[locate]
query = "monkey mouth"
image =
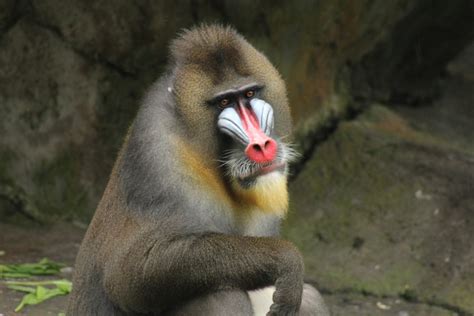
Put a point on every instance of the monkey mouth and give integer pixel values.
(263, 170)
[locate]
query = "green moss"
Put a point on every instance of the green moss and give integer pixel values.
(6, 156)
(355, 214)
(14, 204)
(394, 281)
(461, 295)
(58, 191)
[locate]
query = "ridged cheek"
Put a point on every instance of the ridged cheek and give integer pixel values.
(264, 113)
(229, 123)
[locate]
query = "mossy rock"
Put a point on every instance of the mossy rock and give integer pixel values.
(385, 209)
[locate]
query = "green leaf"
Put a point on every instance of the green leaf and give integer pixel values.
(62, 282)
(64, 285)
(40, 292)
(14, 275)
(24, 270)
(21, 288)
(29, 299)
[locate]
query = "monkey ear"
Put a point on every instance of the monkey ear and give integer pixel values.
(264, 113)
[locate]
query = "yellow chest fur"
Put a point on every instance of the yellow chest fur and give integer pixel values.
(269, 194)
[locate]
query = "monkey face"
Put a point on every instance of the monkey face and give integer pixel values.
(248, 121)
(232, 104)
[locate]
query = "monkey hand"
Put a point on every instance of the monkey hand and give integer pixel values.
(289, 286)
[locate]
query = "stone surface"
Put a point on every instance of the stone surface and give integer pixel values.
(57, 123)
(72, 74)
(385, 204)
(363, 305)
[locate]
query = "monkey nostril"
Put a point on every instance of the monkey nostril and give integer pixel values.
(257, 147)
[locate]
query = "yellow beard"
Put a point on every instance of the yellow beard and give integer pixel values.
(269, 194)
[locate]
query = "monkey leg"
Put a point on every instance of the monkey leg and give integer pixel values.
(217, 304)
(197, 264)
(312, 303)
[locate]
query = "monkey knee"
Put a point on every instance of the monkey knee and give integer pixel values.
(312, 303)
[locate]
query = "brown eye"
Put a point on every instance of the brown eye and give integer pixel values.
(249, 93)
(224, 103)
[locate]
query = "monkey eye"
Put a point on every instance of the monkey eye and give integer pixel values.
(249, 93)
(223, 103)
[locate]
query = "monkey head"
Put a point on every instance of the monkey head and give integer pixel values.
(233, 104)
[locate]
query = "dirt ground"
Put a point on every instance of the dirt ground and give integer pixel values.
(30, 244)
(61, 243)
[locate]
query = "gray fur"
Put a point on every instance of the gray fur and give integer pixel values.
(312, 303)
(220, 303)
(162, 242)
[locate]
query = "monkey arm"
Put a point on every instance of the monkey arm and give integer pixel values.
(191, 265)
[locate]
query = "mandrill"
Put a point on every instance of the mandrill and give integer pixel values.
(189, 221)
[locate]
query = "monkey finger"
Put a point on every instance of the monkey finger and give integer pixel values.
(282, 310)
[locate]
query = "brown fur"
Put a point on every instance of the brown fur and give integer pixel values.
(168, 236)
(205, 173)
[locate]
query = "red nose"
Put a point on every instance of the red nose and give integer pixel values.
(261, 148)
(262, 151)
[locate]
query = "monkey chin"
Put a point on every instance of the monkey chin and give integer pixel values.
(267, 191)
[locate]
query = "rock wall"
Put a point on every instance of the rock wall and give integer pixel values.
(384, 207)
(381, 93)
(72, 74)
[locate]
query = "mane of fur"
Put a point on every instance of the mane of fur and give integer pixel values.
(206, 45)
